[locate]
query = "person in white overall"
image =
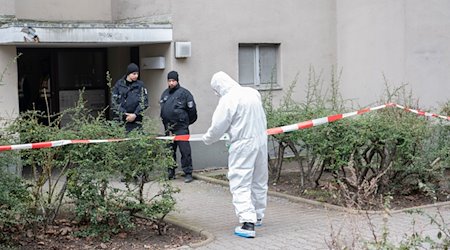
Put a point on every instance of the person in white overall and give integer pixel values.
(240, 113)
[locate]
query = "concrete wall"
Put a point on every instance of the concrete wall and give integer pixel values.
(9, 96)
(8, 7)
(370, 43)
(305, 30)
(155, 79)
(156, 82)
(427, 48)
(153, 11)
(404, 41)
(64, 10)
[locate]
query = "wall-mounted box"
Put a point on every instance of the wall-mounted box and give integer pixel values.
(182, 49)
(157, 62)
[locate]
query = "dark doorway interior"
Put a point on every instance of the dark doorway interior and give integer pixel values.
(50, 79)
(34, 71)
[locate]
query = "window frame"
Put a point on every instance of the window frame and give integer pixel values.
(257, 65)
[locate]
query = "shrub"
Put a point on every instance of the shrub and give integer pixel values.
(388, 151)
(15, 214)
(84, 172)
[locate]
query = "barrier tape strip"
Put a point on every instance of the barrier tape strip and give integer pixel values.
(51, 144)
(323, 120)
(422, 113)
(198, 137)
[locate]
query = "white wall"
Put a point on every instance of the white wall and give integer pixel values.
(406, 41)
(9, 96)
(153, 11)
(156, 82)
(370, 43)
(63, 10)
(305, 29)
(8, 7)
(155, 79)
(427, 48)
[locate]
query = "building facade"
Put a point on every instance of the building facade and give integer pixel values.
(66, 45)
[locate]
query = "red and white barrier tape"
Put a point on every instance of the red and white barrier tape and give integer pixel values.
(320, 121)
(310, 123)
(51, 144)
(422, 113)
(191, 137)
(198, 137)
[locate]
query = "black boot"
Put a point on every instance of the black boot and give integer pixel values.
(248, 226)
(188, 178)
(171, 172)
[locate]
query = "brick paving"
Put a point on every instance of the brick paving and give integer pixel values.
(289, 225)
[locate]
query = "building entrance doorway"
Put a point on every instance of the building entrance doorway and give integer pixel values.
(50, 79)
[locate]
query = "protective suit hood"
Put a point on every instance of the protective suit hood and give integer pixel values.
(221, 82)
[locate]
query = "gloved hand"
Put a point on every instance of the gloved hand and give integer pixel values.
(225, 137)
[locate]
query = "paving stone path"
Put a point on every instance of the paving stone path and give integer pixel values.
(290, 225)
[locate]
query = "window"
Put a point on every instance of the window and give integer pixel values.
(258, 64)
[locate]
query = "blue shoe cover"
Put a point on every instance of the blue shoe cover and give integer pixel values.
(244, 233)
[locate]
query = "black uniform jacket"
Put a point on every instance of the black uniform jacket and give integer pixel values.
(178, 109)
(129, 97)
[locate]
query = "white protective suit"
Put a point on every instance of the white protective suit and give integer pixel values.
(240, 113)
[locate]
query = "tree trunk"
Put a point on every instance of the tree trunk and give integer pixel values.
(299, 161)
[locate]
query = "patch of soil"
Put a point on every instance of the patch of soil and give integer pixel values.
(143, 236)
(328, 192)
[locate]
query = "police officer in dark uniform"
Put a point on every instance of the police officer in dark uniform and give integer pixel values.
(178, 111)
(130, 98)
